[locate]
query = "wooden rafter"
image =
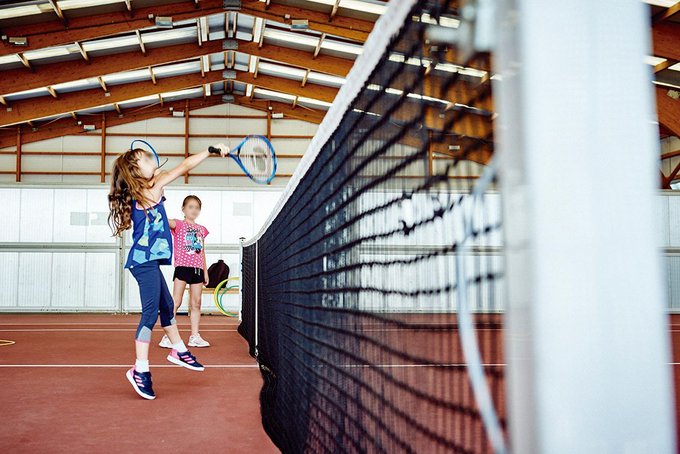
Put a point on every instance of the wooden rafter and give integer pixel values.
(56, 73)
(467, 125)
(82, 52)
(48, 34)
(31, 109)
(312, 116)
(18, 143)
(665, 39)
(334, 10)
(664, 65)
(317, 49)
(24, 61)
(666, 13)
(668, 110)
(102, 84)
(291, 87)
(324, 63)
(262, 28)
(58, 12)
(141, 42)
(344, 27)
(65, 126)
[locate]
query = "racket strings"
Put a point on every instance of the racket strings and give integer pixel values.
(257, 158)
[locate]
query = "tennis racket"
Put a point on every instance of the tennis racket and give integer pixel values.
(150, 148)
(255, 156)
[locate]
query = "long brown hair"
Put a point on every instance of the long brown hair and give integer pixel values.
(127, 185)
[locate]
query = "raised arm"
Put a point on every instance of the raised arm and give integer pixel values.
(172, 223)
(165, 178)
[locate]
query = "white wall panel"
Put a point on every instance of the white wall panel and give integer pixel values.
(55, 144)
(42, 179)
(293, 127)
(100, 281)
(41, 163)
(674, 221)
(35, 280)
(8, 162)
(81, 164)
(290, 146)
(82, 143)
(37, 212)
(9, 279)
(68, 280)
(11, 204)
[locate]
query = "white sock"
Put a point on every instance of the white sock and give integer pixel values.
(142, 365)
(179, 346)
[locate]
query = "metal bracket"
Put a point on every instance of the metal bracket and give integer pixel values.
(229, 44)
(231, 5)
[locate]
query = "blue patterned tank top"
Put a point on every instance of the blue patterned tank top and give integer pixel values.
(151, 237)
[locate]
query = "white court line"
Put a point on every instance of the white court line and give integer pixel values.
(235, 366)
(189, 329)
(243, 366)
(207, 366)
(398, 366)
(43, 330)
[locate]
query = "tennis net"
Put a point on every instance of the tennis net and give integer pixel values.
(385, 244)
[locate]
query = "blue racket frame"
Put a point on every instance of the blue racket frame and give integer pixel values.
(132, 147)
(240, 164)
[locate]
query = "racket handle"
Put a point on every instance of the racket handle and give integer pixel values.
(213, 150)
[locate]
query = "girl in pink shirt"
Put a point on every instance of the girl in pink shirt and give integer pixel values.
(190, 265)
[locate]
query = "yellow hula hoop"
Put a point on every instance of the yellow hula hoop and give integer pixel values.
(218, 305)
(4, 342)
(226, 312)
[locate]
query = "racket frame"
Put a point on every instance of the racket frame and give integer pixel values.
(238, 161)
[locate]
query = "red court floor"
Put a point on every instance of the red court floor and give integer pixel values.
(63, 389)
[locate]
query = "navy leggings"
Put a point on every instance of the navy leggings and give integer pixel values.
(155, 297)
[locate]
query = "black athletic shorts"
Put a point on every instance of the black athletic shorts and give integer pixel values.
(189, 275)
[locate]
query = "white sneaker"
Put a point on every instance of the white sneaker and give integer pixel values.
(197, 341)
(165, 342)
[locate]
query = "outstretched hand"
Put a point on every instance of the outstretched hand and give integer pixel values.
(223, 149)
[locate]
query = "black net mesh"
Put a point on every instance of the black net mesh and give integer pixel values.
(356, 287)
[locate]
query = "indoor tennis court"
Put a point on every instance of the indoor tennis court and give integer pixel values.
(361, 226)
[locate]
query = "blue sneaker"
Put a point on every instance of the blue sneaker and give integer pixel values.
(185, 359)
(141, 381)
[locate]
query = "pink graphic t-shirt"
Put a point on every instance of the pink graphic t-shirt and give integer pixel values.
(188, 242)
